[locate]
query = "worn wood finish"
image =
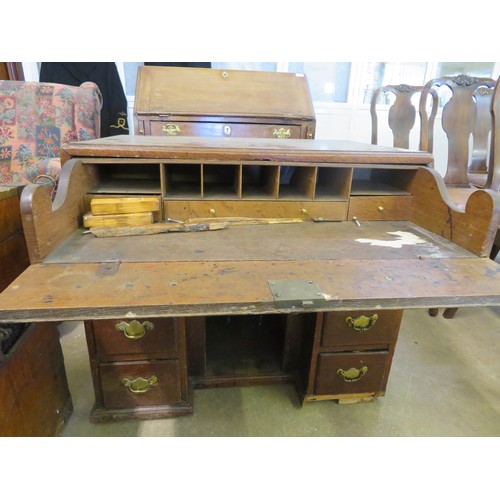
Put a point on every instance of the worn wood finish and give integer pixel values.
(474, 229)
(245, 149)
(338, 331)
(207, 276)
(110, 338)
(158, 358)
(13, 258)
(222, 103)
(13, 252)
(232, 287)
(10, 221)
(34, 394)
(47, 223)
(287, 242)
(329, 382)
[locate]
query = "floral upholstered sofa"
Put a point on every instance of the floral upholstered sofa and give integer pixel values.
(36, 119)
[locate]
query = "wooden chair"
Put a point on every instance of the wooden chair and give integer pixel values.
(465, 116)
(487, 118)
(402, 113)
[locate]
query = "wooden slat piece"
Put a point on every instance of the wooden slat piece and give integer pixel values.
(129, 205)
(117, 220)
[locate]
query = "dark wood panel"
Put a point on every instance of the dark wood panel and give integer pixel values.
(166, 390)
(34, 394)
(13, 258)
(370, 367)
(159, 336)
(10, 217)
(343, 328)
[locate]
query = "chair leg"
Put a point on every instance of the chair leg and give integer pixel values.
(433, 311)
(449, 312)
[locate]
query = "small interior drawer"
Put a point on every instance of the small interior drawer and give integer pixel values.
(127, 385)
(240, 208)
(380, 207)
(145, 335)
(351, 373)
(360, 327)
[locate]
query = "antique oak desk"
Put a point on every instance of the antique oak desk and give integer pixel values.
(317, 303)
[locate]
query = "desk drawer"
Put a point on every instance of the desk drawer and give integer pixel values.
(128, 385)
(125, 336)
(275, 209)
(380, 207)
(360, 327)
(228, 129)
(351, 373)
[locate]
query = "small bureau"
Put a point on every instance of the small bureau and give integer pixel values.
(206, 102)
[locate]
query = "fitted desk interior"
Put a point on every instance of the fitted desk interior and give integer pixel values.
(316, 302)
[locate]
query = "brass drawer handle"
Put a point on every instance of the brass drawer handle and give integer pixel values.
(352, 375)
(134, 330)
(171, 129)
(362, 323)
(140, 385)
(281, 133)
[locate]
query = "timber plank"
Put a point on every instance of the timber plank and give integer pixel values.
(78, 291)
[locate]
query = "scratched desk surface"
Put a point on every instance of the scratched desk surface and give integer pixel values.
(378, 265)
(306, 241)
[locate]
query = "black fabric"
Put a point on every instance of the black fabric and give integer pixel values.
(181, 64)
(105, 76)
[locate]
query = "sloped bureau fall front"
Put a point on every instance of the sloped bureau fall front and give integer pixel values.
(319, 248)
